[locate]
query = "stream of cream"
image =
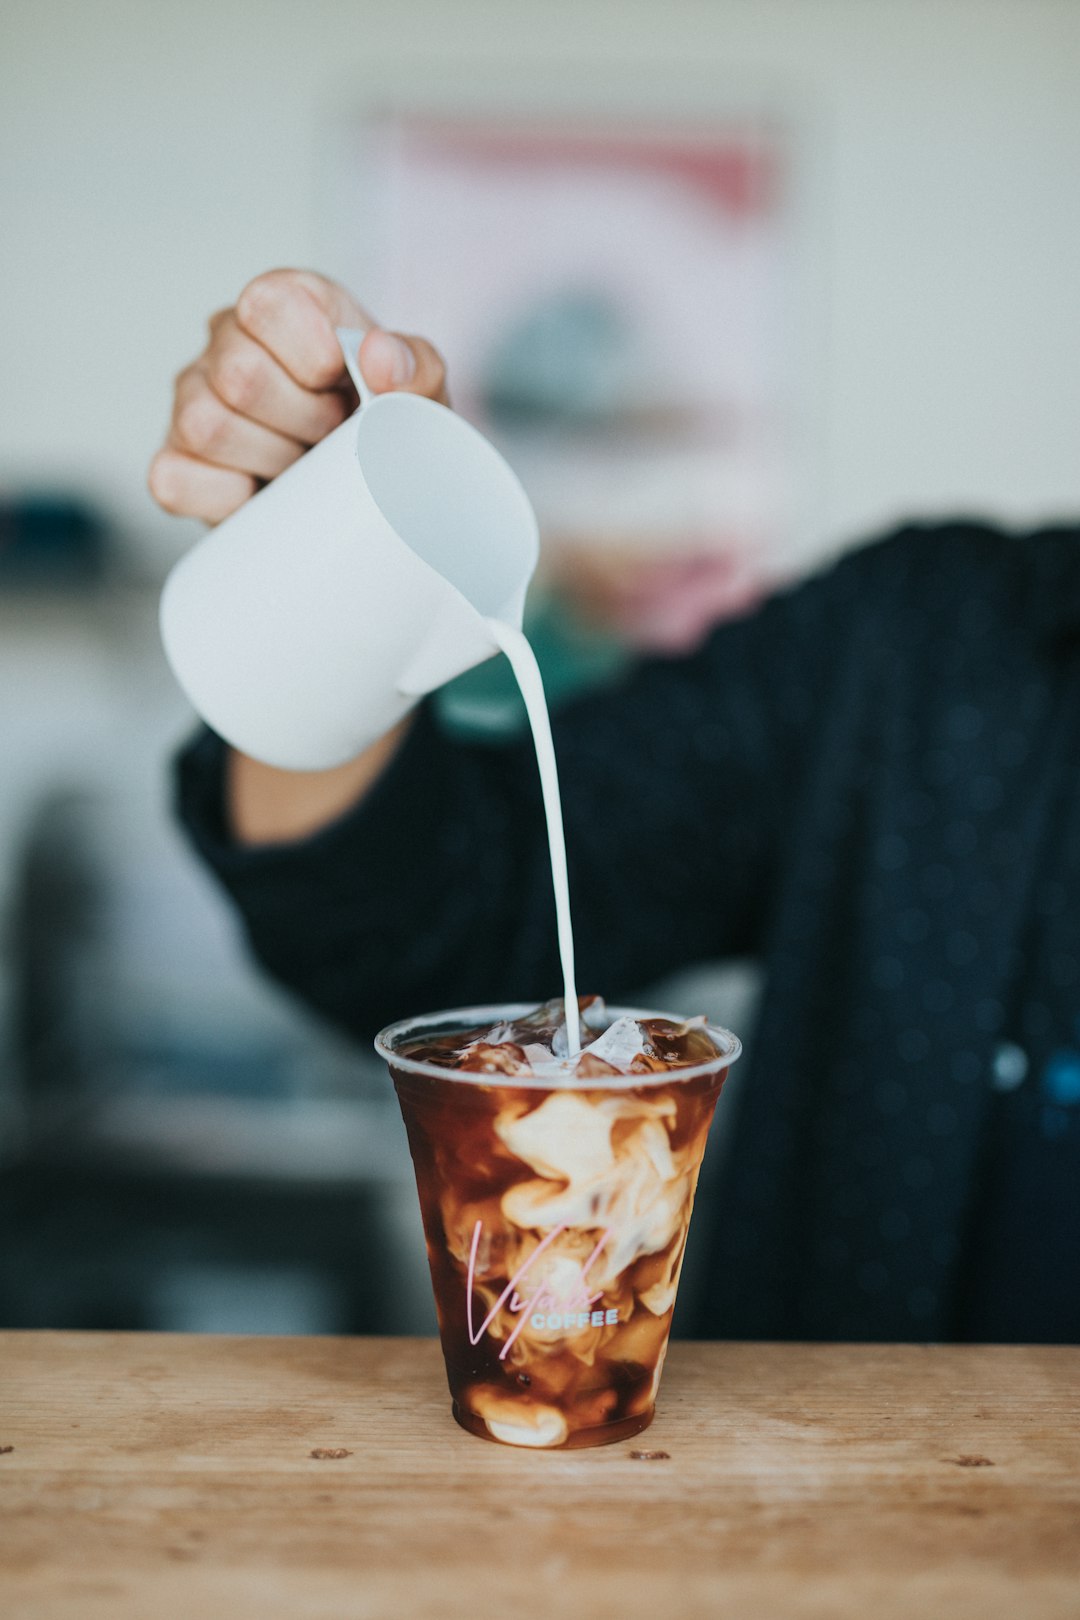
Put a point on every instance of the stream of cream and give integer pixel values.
(527, 673)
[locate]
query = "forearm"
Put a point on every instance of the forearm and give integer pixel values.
(265, 805)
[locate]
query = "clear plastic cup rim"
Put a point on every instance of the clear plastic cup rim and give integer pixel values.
(410, 1028)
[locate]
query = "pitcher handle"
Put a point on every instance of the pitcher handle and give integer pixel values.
(350, 338)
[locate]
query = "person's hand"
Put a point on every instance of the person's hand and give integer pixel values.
(270, 383)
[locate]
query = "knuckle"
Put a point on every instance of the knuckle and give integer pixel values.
(323, 370)
(262, 300)
(237, 377)
(322, 364)
(183, 380)
(324, 408)
(163, 483)
(282, 301)
(202, 424)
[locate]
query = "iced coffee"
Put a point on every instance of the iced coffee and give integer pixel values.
(556, 1195)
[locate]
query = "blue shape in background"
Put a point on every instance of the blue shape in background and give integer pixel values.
(1061, 1079)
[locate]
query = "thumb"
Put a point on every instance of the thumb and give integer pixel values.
(393, 362)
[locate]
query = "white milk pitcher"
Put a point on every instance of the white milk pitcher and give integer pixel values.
(309, 622)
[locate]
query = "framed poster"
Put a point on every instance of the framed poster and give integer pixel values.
(617, 306)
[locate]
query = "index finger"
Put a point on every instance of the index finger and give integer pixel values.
(293, 315)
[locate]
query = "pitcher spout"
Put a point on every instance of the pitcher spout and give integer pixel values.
(457, 639)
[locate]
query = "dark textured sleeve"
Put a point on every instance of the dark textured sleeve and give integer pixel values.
(436, 891)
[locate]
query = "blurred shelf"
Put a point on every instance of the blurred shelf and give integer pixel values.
(315, 1142)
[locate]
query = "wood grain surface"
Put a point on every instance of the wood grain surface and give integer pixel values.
(323, 1479)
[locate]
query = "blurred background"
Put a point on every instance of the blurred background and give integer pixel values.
(736, 284)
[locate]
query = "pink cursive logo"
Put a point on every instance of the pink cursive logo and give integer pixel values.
(571, 1307)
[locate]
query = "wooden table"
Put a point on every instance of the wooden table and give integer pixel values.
(323, 1479)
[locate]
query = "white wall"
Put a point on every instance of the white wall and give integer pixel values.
(153, 157)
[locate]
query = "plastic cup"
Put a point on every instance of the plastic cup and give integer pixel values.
(556, 1215)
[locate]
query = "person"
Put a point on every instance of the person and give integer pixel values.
(870, 785)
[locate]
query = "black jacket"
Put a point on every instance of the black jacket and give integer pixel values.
(872, 786)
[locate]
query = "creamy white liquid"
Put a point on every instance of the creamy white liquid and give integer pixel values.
(527, 673)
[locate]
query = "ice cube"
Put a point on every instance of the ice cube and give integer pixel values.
(620, 1044)
(677, 1044)
(546, 1025)
(498, 1033)
(485, 1057)
(591, 1067)
(593, 1012)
